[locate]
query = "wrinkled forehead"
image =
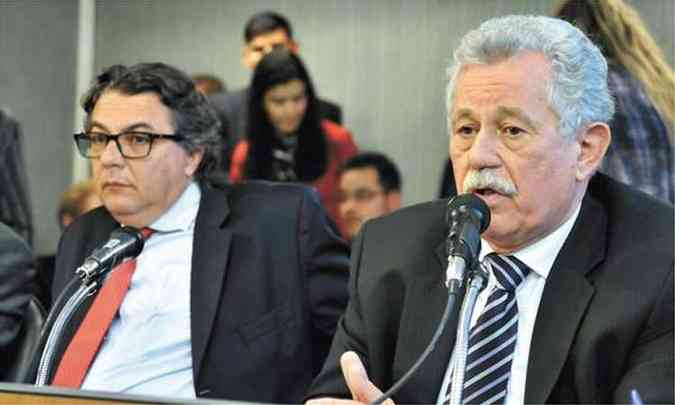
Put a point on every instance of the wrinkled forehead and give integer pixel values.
(526, 75)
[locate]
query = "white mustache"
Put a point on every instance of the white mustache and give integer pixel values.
(488, 178)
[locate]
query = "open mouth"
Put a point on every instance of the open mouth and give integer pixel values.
(485, 192)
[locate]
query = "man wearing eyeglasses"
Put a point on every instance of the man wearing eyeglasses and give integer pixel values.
(370, 186)
(238, 289)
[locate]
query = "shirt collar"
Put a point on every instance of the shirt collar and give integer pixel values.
(540, 255)
(182, 214)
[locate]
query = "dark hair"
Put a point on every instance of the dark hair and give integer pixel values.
(389, 176)
(278, 67)
(266, 22)
(193, 117)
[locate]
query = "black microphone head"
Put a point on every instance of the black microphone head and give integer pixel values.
(469, 203)
(129, 236)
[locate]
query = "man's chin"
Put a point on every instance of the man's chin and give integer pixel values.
(122, 211)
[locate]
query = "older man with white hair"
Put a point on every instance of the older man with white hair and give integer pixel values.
(579, 301)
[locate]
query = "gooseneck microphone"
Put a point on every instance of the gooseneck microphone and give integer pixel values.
(467, 217)
(124, 243)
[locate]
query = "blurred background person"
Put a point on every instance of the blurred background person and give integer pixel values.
(370, 186)
(643, 86)
(286, 138)
(15, 206)
(16, 287)
(208, 84)
(76, 200)
(264, 32)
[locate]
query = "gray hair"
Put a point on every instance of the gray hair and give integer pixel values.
(577, 91)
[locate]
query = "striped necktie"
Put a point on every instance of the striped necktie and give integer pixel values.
(493, 337)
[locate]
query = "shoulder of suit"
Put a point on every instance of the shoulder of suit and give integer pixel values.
(429, 214)
(272, 191)
(98, 217)
(630, 213)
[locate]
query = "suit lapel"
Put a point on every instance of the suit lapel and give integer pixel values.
(564, 301)
(211, 247)
(426, 299)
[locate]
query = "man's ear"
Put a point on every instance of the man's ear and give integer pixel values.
(294, 46)
(393, 200)
(195, 159)
(248, 57)
(593, 143)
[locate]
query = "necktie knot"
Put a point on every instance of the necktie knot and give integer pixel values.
(147, 232)
(508, 270)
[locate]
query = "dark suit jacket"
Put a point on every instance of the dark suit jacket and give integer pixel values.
(15, 204)
(16, 287)
(604, 325)
(232, 109)
(268, 285)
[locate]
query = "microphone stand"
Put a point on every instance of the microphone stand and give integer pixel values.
(457, 365)
(89, 285)
(478, 282)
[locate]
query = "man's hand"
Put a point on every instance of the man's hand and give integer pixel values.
(363, 391)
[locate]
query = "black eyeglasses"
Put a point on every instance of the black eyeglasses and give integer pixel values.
(131, 144)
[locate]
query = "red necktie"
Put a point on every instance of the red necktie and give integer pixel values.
(87, 340)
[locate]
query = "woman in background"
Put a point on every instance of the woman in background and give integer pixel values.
(643, 86)
(286, 140)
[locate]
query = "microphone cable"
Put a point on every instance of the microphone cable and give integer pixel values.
(430, 347)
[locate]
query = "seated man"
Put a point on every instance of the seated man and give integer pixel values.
(578, 306)
(238, 290)
(370, 186)
(16, 286)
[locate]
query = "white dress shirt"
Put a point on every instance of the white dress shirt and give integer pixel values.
(147, 349)
(539, 257)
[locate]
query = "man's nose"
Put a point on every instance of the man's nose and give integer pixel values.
(347, 205)
(111, 154)
(483, 151)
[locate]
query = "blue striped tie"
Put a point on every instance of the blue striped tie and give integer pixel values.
(493, 337)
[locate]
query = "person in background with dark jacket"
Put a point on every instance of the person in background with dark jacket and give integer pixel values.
(16, 287)
(15, 204)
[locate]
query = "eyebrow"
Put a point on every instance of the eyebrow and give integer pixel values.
(518, 113)
(132, 127)
(463, 113)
